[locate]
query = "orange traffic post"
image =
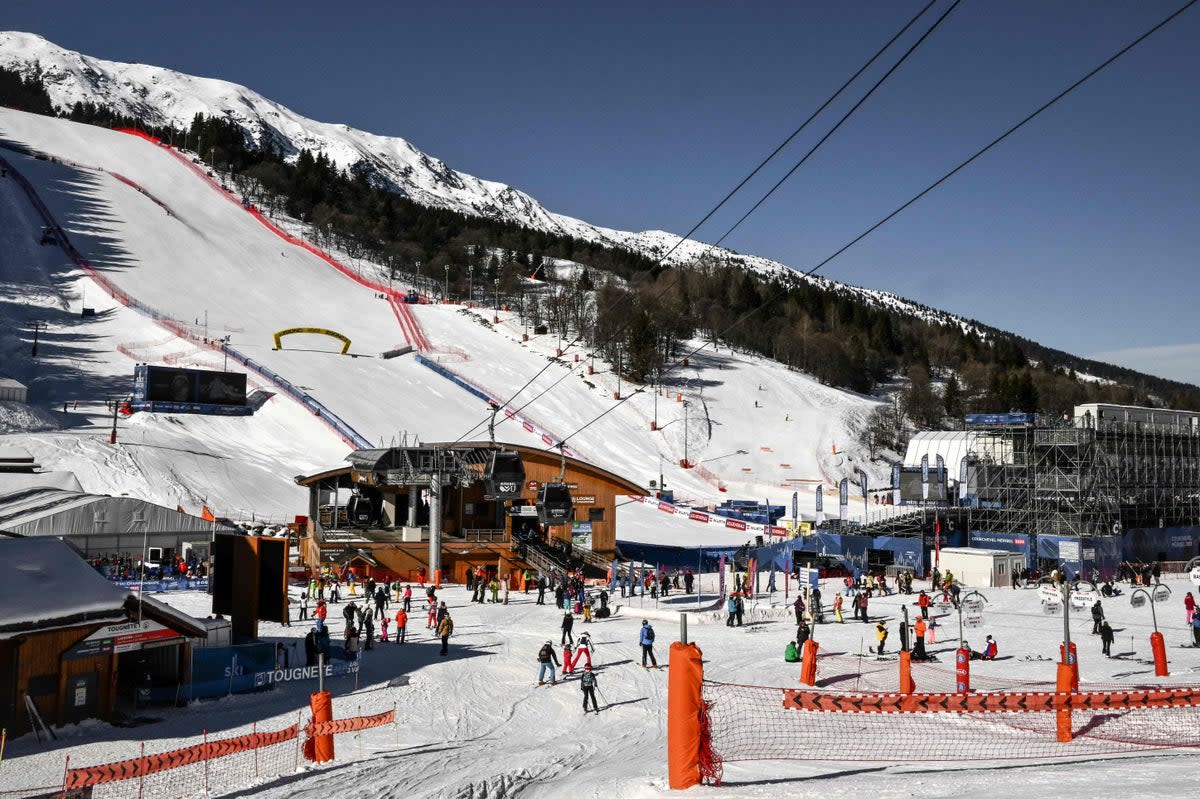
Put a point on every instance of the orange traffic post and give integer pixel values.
(907, 686)
(808, 663)
(684, 705)
(1159, 648)
(322, 710)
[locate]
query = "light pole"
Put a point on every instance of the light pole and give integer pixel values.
(496, 313)
(1139, 597)
(418, 281)
(446, 292)
(962, 601)
(36, 327)
(470, 283)
(225, 349)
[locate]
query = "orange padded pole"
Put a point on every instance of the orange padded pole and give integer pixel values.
(684, 699)
(1160, 654)
(322, 710)
(907, 686)
(808, 663)
(1066, 676)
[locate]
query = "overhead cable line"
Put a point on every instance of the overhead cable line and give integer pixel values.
(919, 194)
(798, 130)
(728, 196)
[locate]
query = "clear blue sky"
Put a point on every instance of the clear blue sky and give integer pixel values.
(1081, 232)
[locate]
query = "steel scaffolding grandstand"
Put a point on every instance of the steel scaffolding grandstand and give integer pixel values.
(1109, 469)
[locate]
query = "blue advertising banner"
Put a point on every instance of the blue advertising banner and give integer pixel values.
(1167, 543)
(159, 586)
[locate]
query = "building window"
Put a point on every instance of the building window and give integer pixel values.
(595, 514)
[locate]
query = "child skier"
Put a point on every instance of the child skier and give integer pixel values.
(587, 684)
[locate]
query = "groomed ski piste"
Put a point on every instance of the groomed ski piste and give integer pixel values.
(474, 723)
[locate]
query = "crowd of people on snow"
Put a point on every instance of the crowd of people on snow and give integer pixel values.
(124, 566)
(368, 617)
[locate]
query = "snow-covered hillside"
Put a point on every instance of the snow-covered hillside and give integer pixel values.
(161, 231)
(165, 97)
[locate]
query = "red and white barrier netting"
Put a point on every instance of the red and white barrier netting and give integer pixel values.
(215, 765)
(712, 723)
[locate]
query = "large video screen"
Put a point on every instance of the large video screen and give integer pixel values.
(167, 384)
(910, 486)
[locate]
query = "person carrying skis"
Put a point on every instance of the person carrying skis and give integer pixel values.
(587, 683)
(646, 639)
(548, 660)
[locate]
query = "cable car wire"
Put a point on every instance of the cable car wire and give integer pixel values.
(737, 188)
(1013, 129)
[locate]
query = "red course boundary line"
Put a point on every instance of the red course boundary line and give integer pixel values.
(283, 234)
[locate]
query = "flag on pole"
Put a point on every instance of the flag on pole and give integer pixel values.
(941, 477)
(962, 479)
(207, 515)
(925, 478)
(862, 484)
(796, 507)
(937, 541)
(819, 491)
(616, 569)
(896, 483)
(844, 499)
(721, 576)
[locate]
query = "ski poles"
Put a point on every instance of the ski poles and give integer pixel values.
(603, 697)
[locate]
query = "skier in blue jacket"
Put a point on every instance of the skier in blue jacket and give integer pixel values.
(646, 639)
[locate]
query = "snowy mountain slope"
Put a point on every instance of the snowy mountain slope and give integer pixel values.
(165, 97)
(214, 268)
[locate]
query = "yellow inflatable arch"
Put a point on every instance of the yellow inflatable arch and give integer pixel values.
(318, 330)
